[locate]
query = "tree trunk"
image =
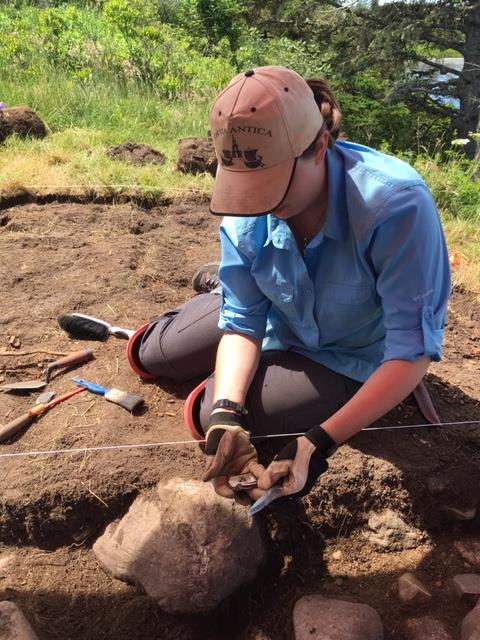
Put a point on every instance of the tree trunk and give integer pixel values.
(468, 84)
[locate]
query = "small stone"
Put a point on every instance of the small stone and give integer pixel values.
(390, 532)
(5, 563)
(469, 550)
(336, 555)
(13, 624)
(436, 485)
(187, 547)
(15, 342)
(319, 618)
(426, 628)
(471, 625)
(467, 586)
(459, 514)
(412, 591)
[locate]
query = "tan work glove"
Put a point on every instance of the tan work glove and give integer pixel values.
(230, 453)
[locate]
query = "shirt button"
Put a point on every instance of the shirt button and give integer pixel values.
(427, 315)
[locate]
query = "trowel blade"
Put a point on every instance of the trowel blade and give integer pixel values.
(27, 385)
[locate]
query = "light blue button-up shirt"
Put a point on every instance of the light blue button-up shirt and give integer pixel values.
(372, 286)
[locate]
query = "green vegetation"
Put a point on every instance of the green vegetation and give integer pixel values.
(105, 72)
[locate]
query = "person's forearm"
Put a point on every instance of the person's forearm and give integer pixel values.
(387, 386)
(236, 364)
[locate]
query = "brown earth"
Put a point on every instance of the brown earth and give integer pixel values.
(24, 122)
(196, 155)
(127, 264)
(137, 154)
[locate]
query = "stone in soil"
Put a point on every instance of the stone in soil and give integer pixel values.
(469, 549)
(319, 618)
(471, 625)
(196, 155)
(187, 547)
(5, 563)
(13, 624)
(426, 628)
(412, 591)
(467, 586)
(389, 531)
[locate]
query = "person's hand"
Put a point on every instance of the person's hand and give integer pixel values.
(230, 453)
(299, 464)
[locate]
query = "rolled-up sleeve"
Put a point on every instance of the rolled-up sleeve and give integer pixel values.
(410, 258)
(244, 307)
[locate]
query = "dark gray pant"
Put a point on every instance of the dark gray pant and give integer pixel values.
(289, 392)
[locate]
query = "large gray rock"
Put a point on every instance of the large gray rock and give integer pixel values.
(187, 547)
(13, 624)
(389, 531)
(319, 618)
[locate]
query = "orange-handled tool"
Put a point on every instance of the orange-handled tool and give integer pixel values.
(78, 357)
(11, 428)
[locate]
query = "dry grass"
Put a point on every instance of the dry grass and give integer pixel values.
(73, 163)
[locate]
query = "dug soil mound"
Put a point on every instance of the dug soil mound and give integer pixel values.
(196, 155)
(126, 265)
(137, 154)
(24, 122)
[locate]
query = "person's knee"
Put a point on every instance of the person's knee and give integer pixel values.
(147, 357)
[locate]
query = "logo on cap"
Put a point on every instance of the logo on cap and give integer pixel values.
(251, 158)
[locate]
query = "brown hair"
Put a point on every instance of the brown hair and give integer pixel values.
(330, 110)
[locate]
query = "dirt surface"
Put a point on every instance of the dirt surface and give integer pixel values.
(196, 155)
(126, 264)
(22, 121)
(137, 154)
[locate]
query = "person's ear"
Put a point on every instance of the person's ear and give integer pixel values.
(321, 147)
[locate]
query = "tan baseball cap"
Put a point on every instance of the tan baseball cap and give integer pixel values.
(260, 124)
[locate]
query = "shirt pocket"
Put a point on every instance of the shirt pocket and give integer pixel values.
(342, 310)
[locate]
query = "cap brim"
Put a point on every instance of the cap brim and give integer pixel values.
(251, 193)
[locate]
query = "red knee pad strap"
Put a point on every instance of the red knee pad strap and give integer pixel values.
(133, 347)
(191, 411)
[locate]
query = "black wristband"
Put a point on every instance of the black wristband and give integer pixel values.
(320, 438)
(229, 404)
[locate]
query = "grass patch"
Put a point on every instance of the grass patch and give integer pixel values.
(84, 121)
(86, 118)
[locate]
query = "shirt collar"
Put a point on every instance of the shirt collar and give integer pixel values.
(278, 231)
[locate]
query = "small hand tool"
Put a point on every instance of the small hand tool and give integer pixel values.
(79, 325)
(272, 494)
(78, 357)
(11, 428)
(126, 400)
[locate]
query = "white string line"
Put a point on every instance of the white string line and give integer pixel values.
(150, 445)
(113, 186)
